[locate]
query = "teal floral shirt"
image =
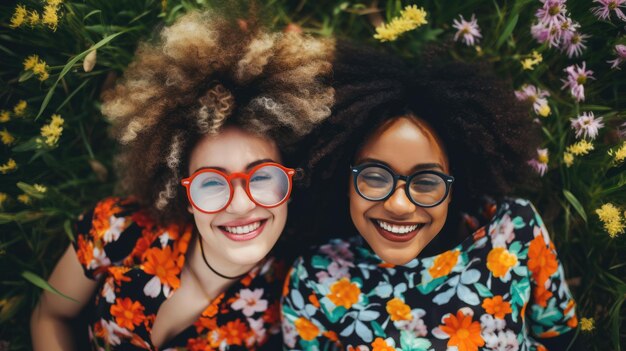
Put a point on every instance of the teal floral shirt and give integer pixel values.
(502, 288)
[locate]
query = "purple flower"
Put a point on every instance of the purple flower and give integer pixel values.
(469, 30)
(540, 164)
(576, 78)
(603, 11)
(552, 13)
(574, 43)
(621, 56)
(587, 125)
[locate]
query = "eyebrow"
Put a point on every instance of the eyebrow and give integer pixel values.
(250, 165)
(416, 168)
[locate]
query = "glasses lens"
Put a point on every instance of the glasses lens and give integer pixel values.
(269, 185)
(209, 191)
(374, 183)
(427, 189)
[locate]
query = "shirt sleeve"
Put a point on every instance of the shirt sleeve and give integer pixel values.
(551, 310)
(303, 320)
(97, 234)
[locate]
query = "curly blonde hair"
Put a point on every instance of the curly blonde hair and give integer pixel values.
(202, 73)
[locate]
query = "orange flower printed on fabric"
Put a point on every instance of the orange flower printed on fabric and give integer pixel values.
(499, 261)
(464, 333)
(162, 263)
(344, 293)
(314, 301)
(127, 313)
(102, 215)
(497, 307)
(85, 251)
(541, 295)
(306, 329)
(118, 274)
(234, 332)
(381, 345)
(398, 310)
(444, 263)
(541, 260)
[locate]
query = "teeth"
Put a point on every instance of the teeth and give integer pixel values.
(397, 229)
(244, 229)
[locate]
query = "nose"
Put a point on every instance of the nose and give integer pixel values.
(398, 203)
(241, 202)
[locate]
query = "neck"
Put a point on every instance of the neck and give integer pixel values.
(212, 283)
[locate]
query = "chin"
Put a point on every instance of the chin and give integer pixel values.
(397, 257)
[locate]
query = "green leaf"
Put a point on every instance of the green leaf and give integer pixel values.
(40, 282)
(67, 226)
(483, 291)
(28, 145)
(30, 190)
(507, 30)
(68, 66)
(6, 218)
(575, 203)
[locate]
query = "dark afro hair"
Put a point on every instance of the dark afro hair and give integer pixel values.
(487, 134)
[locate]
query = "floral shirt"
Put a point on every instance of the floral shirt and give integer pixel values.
(500, 289)
(140, 265)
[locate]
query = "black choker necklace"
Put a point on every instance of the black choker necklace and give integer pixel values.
(212, 269)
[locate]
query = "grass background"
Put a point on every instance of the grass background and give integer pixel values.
(76, 171)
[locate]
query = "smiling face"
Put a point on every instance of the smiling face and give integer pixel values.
(396, 229)
(239, 236)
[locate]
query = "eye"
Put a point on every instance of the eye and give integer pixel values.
(260, 176)
(211, 182)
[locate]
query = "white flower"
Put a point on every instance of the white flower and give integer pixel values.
(535, 95)
(250, 301)
(116, 225)
(587, 125)
(502, 233)
(289, 334)
(112, 332)
(108, 291)
(468, 30)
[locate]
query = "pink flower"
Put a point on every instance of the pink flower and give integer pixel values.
(603, 11)
(587, 125)
(540, 164)
(535, 95)
(621, 56)
(250, 301)
(576, 78)
(574, 43)
(552, 13)
(621, 131)
(469, 30)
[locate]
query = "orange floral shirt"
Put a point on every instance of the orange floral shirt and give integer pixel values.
(502, 288)
(139, 265)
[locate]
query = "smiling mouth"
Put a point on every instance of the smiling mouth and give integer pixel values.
(397, 232)
(244, 232)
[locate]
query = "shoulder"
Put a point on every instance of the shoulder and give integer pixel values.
(113, 230)
(518, 216)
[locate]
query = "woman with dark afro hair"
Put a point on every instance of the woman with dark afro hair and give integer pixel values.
(205, 115)
(412, 175)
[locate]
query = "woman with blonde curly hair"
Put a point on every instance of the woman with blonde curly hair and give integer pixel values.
(202, 115)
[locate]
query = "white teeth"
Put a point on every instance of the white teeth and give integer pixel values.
(244, 229)
(397, 229)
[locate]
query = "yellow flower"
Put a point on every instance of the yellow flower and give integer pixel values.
(40, 188)
(4, 116)
(18, 16)
(587, 324)
(54, 2)
(544, 110)
(3, 198)
(6, 137)
(33, 17)
(580, 148)
(50, 17)
(410, 18)
(530, 62)
(611, 218)
(20, 108)
(56, 120)
(619, 155)
(52, 131)
(568, 159)
(9, 166)
(25, 199)
(30, 62)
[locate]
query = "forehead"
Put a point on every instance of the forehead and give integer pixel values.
(404, 143)
(232, 149)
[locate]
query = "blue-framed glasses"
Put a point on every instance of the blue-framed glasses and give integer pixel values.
(377, 182)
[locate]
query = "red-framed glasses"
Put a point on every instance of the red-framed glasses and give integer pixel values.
(268, 185)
